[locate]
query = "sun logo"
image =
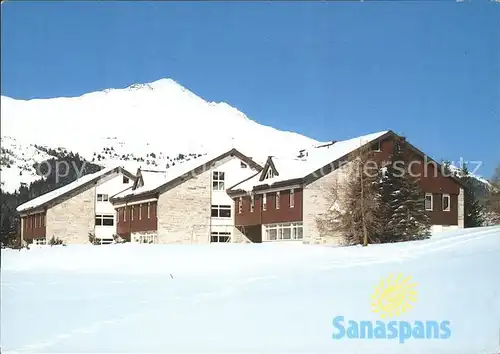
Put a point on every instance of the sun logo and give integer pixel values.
(394, 296)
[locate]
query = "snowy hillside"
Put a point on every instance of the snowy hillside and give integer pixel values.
(153, 124)
(256, 298)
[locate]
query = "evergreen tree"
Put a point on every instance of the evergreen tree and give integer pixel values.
(473, 209)
(9, 217)
(402, 203)
(354, 205)
(8, 220)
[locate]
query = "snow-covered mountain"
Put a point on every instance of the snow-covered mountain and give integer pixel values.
(158, 124)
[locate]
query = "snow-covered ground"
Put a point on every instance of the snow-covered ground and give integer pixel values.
(259, 298)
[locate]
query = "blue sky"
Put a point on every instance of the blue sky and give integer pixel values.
(429, 70)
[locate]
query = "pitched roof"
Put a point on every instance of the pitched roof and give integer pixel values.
(154, 181)
(82, 182)
(298, 168)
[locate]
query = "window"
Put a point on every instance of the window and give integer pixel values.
(146, 238)
(252, 203)
(376, 146)
(132, 213)
(125, 214)
(102, 197)
(36, 220)
(428, 201)
(243, 165)
(125, 179)
(269, 173)
(221, 211)
(277, 200)
(264, 202)
(220, 236)
(149, 210)
(104, 220)
(39, 241)
(218, 181)
(292, 198)
(240, 205)
(446, 202)
(283, 232)
(140, 211)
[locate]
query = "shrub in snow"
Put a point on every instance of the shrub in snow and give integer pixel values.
(94, 240)
(54, 241)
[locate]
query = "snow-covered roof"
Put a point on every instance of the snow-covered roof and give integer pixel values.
(153, 180)
(314, 159)
(59, 192)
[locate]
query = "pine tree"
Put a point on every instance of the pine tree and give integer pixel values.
(402, 202)
(355, 204)
(493, 199)
(473, 209)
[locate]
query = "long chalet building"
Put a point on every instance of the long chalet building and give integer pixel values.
(225, 197)
(187, 203)
(284, 200)
(72, 212)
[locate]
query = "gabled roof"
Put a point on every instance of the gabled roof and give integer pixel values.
(291, 170)
(306, 169)
(153, 182)
(82, 183)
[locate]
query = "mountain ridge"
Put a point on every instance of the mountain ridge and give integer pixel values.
(150, 124)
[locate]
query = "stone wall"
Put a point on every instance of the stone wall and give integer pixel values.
(184, 211)
(317, 200)
(72, 219)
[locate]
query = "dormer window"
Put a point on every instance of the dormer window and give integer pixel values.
(125, 180)
(269, 173)
(376, 146)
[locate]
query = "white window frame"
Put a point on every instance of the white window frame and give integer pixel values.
(124, 213)
(218, 235)
(277, 200)
(252, 203)
(140, 211)
(146, 238)
(240, 205)
(294, 227)
(103, 217)
(264, 202)
(292, 198)
(132, 213)
(269, 173)
(218, 180)
(378, 146)
(219, 208)
(432, 202)
(449, 202)
(149, 210)
(40, 241)
(102, 197)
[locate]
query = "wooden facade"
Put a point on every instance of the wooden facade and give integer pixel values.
(269, 214)
(34, 226)
(137, 217)
(431, 181)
